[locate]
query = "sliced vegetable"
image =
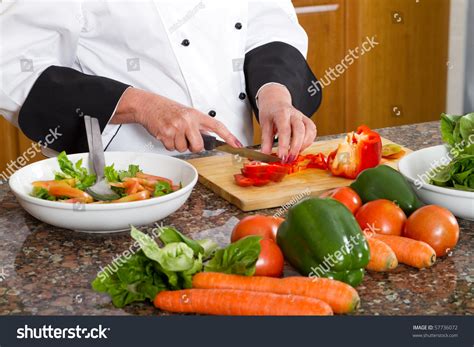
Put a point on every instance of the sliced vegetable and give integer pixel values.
(434, 225)
(243, 181)
(410, 252)
(382, 258)
(64, 190)
(359, 151)
(70, 170)
(143, 195)
(340, 296)
(239, 303)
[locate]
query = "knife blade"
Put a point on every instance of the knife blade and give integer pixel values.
(211, 143)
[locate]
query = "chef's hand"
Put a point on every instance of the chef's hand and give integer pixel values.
(277, 116)
(177, 126)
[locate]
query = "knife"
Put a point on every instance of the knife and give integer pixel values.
(211, 143)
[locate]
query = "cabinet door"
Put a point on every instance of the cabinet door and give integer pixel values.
(323, 21)
(13, 145)
(402, 79)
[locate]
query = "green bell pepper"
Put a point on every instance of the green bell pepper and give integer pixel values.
(384, 182)
(321, 238)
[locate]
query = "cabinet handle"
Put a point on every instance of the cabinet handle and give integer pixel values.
(317, 9)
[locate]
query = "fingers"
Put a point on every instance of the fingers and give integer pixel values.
(195, 141)
(283, 124)
(267, 136)
(297, 136)
(180, 142)
(310, 134)
(208, 123)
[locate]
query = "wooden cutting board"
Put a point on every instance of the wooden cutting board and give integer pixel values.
(217, 173)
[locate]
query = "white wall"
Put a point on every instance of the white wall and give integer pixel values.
(457, 56)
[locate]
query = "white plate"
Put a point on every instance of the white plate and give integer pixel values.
(106, 217)
(416, 166)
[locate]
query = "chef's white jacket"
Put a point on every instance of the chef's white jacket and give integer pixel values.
(62, 60)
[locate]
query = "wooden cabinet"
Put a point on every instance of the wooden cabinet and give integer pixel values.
(324, 22)
(13, 144)
(400, 80)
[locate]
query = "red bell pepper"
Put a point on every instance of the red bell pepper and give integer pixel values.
(359, 151)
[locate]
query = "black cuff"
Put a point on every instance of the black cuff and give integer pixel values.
(282, 63)
(57, 103)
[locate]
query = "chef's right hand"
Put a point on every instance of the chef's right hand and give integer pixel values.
(177, 126)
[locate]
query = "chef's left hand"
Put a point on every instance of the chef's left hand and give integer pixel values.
(277, 116)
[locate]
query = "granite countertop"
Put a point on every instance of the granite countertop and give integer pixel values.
(45, 270)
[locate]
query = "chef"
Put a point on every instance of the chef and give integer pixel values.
(157, 74)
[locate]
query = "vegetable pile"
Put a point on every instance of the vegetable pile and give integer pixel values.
(375, 224)
(70, 183)
(458, 134)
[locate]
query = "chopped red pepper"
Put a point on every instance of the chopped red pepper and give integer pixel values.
(243, 181)
(359, 151)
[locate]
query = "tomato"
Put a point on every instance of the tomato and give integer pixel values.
(270, 261)
(345, 195)
(434, 225)
(265, 226)
(381, 216)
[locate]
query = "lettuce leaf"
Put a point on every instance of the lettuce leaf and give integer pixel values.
(71, 170)
(239, 258)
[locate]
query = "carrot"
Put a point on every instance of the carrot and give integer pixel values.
(340, 296)
(408, 251)
(153, 178)
(62, 189)
(382, 258)
(46, 184)
(239, 303)
(143, 195)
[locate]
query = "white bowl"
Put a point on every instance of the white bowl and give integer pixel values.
(415, 167)
(106, 217)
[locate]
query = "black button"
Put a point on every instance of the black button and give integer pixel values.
(238, 25)
(185, 42)
(212, 113)
(242, 96)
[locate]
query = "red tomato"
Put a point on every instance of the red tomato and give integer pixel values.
(270, 261)
(265, 226)
(345, 195)
(434, 225)
(381, 216)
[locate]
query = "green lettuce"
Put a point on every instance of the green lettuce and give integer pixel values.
(458, 133)
(71, 170)
(238, 258)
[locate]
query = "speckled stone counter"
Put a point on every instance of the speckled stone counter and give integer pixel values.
(45, 270)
